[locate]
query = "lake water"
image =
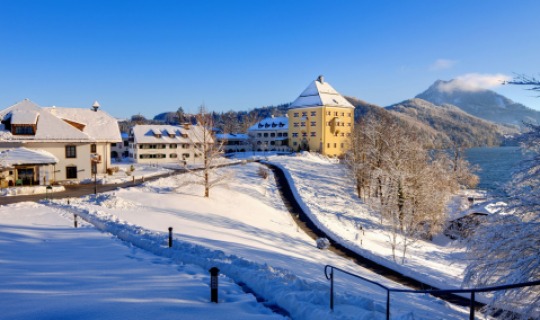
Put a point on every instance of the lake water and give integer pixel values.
(497, 165)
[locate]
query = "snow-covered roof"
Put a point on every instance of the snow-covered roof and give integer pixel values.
(98, 125)
(60, 124)
(271, 123)
(149, 133)
(24, 117)
(232, 136)
(24, 156)
(320, 93)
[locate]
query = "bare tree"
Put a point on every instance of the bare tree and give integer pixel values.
(398, 176)
(504, 249)
(209, 175)
(524, 80)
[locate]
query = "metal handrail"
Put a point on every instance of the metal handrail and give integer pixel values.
(472, 291)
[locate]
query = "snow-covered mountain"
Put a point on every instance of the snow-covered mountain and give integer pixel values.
(439, 126)
(456, 124)
(482, 103)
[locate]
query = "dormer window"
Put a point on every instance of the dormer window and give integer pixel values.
(156, 133)
(23, 129)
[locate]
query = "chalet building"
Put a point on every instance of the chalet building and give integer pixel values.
(43, 146)
(233, 142)
(270, 134)
(321, 120)
(168, 143)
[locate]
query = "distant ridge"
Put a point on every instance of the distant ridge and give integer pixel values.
(439, 126)
(482, 103)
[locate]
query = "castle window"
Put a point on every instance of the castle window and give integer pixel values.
(304, 114)
(313, 113)
(296, 114)
(313, 123)
(313, 134)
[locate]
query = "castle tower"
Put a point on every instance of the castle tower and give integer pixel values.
(321, 120)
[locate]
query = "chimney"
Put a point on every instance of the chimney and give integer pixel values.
(95, 106)
(320, 79)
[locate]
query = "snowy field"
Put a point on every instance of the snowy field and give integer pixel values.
(243, 229)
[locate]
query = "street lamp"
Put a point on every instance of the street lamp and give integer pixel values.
(96, 158)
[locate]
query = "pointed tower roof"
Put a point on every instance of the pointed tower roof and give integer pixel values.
(320, 93)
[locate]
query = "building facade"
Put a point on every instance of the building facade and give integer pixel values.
(167, 143)
(270, 134)
(233, 142)
(321, 120)
(120, 150)
(77, 139)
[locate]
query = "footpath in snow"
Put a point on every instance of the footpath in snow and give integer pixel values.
(49, 270)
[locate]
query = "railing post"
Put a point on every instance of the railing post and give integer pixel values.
(471, 315)
(75, 220)
(387, 304)
(170, 237)
(332, 289)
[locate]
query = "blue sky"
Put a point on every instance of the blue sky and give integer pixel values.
(152, 56)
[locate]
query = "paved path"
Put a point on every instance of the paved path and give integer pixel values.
(79, 190)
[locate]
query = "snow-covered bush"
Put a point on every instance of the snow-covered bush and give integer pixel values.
(323, 243)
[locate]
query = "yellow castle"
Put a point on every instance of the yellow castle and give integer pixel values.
(321, 120)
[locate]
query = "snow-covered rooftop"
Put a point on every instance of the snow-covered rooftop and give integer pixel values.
(60, 124)
(320, 93)
(271, 123)
(232, 136)
(23, 156)
(28, 117)
(163, 134)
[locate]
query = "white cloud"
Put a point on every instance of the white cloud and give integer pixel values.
(474, 82)
(442, 64)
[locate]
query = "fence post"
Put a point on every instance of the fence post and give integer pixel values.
(214, 272)
(170, 237)
(332, 288)
(74, 220)
(471, 315)
(387, 304)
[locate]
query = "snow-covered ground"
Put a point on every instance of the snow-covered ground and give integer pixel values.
(49, 270)
(327, 191)
(244, 230)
